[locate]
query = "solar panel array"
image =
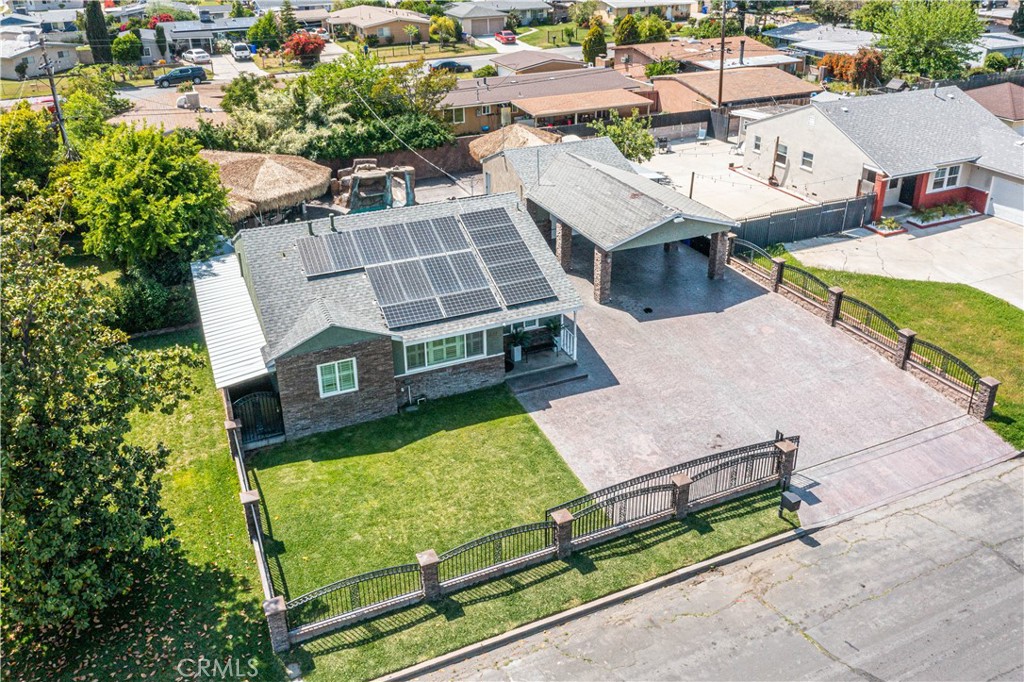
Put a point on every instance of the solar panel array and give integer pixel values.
(425, 270)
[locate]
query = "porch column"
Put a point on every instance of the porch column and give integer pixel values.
(602, 275)
(563, 245)
(717, 255)
(881, 187)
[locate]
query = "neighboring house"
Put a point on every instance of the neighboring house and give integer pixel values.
(25, 48)
(529, 11)
(124, 12)
(482, 104)
(349, 320)
(477, 18)
(18, 20)
(997, 20)
(185, 35)
(45, 5)
(262, 6)
(698, 91)
(917, 148)
(387, 23)
(213, 11)
(312, 18)
(704, 55)
(582, 107)
(58, 23)
(818, 40)
(150, 51)
(673, 10)
(534, 61)
(1005, 101)
(1006, 44)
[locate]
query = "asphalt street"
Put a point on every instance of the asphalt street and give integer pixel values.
(930, 588)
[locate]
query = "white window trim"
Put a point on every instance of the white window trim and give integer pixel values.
(786, 155)
(528, 325)
(460, 361)
(945, 178)
(755, 145)
(355, 375)
(803, 162)
(462, 114)
(486, 110)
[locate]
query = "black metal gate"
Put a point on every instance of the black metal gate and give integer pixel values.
(260, 414)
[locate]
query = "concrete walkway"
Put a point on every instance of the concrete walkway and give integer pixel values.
(926, 589)
(986, 253)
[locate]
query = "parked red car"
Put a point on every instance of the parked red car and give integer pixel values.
(505, 37)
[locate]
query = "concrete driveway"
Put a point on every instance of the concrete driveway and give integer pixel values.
(713, 366)
(986, 253)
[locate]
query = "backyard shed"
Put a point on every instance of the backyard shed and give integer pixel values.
(514, 136)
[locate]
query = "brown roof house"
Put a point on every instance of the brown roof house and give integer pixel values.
(703, 55)
(1005, 101)
(741, 87)
(387, 23)
(534, 61)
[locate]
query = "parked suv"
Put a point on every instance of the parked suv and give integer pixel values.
(240, 51)
(184, 74)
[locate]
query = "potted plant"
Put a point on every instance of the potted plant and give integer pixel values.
(554, 327)
(518, 341)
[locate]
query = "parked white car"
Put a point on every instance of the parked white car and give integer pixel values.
(196, 56)
(240, 51)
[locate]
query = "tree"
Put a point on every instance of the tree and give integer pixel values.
(96, 33)
(159, 19)
(161, 40)
(662, 67)
(832, 11)
(582, 12)
(626, 31)
(443, 29)
(412, 31)
(97, 81)
(265, 32)
(126, 49)
(21, 68)
(27, 149)
(632, 135)
(872, 15)
(289, 24)
(997, 61)
(86, 118)
(485, 71)
(81, 512)
(653, 29)
(512, 20)
(932, 38)
(306, 47)
(146, 197)
(239, 10)
(243, 91)
(867, 67)
(1017, 20)
(594, 44)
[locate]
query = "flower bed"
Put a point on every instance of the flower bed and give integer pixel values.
(887, 227)
(942, 214)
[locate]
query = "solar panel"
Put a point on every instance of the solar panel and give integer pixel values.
(451, 235)
(314, 256)
(370, 245)
(398, 242)
(411, 312)
(424, 238)
(386, 285)
(468, 302)
(504, 253)
(495, 234)
(468, 270)
(413, 280)
(476, 220)
(343, 251)
(441, 275)
(505, 273)
(526, 291)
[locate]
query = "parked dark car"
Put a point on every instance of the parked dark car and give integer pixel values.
(183, 74)
(451, 66)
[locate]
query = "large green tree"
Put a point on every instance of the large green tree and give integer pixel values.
(594, 44)
(147, 199)
(86, 118)
(265, 32)
(27, 149)
(1017, 20)
(289, 24)
(833, 11)
(653, 29)
(873, 15)
(239, 10)
(626, 31)
(582, 12)
(632, 135)
(80, 505)
(930, 38)
(126, 49)
(96, 33)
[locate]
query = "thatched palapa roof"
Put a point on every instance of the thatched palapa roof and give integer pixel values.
(510, 137)
(258, 183)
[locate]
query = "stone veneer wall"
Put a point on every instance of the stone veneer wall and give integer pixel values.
(451, 380)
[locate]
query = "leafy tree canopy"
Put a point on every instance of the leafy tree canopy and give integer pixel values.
(872, 15)
(242, 91)
(1017, 20)
(582, 12)
(626, 31)
(96, 33)
(86, 118)
(126, 49)
(239, 10)
(997, 61)
(485, 71)
(833, 11)
(286, 17)
(632, 135)
(28, 149)
(653, 29)
(265, 32)
(932, 38)
(594, 44)
(662, 67)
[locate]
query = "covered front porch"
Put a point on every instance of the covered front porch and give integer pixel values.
(897, 194)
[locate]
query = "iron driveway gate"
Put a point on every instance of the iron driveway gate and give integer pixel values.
(260, 414)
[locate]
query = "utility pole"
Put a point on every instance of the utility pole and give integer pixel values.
(58, 112)
(721, 57)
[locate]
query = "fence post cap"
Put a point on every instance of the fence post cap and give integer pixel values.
(274, 606)
(560, 516)
(835, 290)
(779, 261)
(230, 424)
(731, 235)
(785, 446)
(680, 480)
(990, 382)
(249, 496)
(906, 332)
(427, 558)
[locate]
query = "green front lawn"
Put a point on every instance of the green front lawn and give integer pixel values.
(984, 331)
(554, 35)
(409, 53)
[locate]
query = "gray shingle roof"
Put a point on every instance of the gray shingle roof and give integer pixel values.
(610, 206)
(913, 132)
(529, 163)
(293, 309)
(473, 10)
(470, 92)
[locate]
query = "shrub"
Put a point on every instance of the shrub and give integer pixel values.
(890, 224)
(372, 40)
(305, 47)
(997, 61)
(486, 71)
(142, 304)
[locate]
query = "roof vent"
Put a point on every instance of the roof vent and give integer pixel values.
(845, 109)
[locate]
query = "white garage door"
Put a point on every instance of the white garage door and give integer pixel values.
(1007, 198)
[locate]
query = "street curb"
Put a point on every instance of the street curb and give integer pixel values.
(599, 604)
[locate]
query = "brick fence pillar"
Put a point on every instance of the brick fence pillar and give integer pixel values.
(250, 505)
(835, 300)
(984, 398)
(730, 239)
(563, 532)
(778, 265)
(563, 245)
(903, 346)
(787, 451)
(602, 275)
(717, 255)
(428, 573)
(277, 619)
(681, 494)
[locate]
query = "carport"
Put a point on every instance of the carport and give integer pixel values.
(618, 210)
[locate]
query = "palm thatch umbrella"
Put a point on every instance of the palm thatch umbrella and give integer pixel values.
(510, 137)
(261, 183)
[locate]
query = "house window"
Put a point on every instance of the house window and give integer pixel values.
(944, 178)
(338, 377)
(455, 116)
(61, 54)
(894, 183)
(781, 155)
(757, 144)
(444, 351)
(807, 161)
(485, 111)
(517, 326)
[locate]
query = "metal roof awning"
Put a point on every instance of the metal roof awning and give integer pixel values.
(234, 338)
(579, 103)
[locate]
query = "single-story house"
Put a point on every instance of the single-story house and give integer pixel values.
(704, 55)
(150, 50)
(997, 19)
(818, 40)
(212, 11)
(16, 19)
(262, 6)
(350, 319)
(44, 5)
(582, 107)
(185, 35)
(1006, 44)
(25, 48)
(138, 9)
(673, 10)
(312, 18)
(482, 104)
(58, 21)
(1005, 101)
(387, 23)
(529, 11)
(477, 18)
(534, 61)
(698, 91)
(918, 148)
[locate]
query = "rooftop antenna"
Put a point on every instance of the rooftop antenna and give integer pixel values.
(309, 226)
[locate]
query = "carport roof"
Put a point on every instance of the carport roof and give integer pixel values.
(613, 207)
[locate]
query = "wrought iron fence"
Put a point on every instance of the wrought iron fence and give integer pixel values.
(622, 510)
(734, 474)
(752, 254)
(862, 318)
(355, 593)
(495, 549)
(944, 365)
(798, 278)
